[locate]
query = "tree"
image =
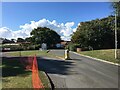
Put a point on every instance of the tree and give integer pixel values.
(45, 35)
(6, 41)
(13, 40)
(28, 39)
(97, 33)
(116, 7)
(20, 40)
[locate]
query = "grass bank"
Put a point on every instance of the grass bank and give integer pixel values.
(107, 54)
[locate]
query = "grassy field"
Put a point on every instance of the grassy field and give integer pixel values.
(107, 54)
(15, 76)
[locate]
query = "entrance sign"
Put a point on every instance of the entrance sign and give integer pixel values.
(44, 46)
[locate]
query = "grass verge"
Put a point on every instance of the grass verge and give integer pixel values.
(27, 53)
(107, 54)
(15, 76)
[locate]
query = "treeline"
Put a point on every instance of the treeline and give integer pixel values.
(97, 34)
(38, 36)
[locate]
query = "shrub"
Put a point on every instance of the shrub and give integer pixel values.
(12, 47)
(72, 47)
(85, 49)
(37, 46)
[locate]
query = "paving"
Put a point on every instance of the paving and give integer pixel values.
(79, 72)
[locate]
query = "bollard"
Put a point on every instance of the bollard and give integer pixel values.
(67, 54)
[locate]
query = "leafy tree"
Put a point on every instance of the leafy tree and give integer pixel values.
(97, 33)
(20, 40)
(28, 39)
(13, 40)
(6, 41)
(116, 7)
(44, 35)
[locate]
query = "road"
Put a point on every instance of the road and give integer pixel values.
(80, 72)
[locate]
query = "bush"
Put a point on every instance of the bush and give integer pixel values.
(85, 49)
(12, 47)
(72, 47)
(21, 47)
(31, 47)
(37, 46)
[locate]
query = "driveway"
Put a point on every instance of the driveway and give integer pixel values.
(80, 72)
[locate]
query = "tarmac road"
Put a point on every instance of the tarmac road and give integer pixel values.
(80, 72)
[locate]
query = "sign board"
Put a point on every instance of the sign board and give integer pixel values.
(44, 46)
(58, 45)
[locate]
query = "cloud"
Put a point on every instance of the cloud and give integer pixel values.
(67, 30)
(66, 38)
(9, 34)
(64, 30)
(6, 32)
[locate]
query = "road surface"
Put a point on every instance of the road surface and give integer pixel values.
(80, 72)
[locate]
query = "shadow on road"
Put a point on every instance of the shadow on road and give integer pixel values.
(54, 66)
(76, 59)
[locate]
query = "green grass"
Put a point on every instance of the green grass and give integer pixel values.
(44, 80)
(28, 53)
(107, 54)
(15, 76)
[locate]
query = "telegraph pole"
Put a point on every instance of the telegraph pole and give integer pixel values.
(116, 35)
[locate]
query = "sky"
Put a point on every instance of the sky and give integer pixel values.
(20, 18)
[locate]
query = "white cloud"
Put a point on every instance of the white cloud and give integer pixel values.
(74, 29)
(65, 30)
(5, 32)
(66, 38)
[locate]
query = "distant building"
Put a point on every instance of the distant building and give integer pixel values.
(62, 44)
